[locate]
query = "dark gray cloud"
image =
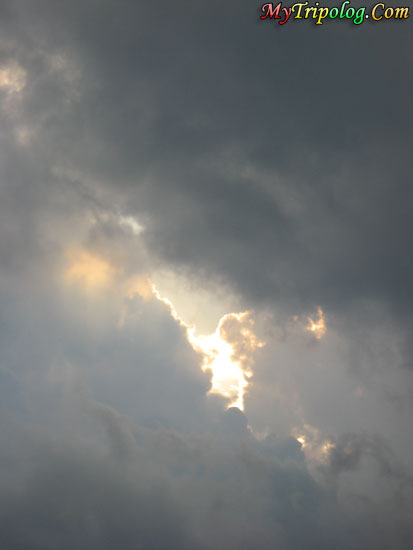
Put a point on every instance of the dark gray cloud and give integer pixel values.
(239, 141)
(273, 162)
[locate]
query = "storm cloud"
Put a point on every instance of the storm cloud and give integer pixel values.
(162, 162)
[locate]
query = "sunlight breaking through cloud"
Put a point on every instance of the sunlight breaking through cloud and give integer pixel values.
(228, 352)
(316, 446)
(318, 328)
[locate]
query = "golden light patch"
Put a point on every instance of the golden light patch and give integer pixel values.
(228, 377)
(228, 352)
(318, 328)
(88, 270)
(138, 285)
(12, 78)
(314, 444)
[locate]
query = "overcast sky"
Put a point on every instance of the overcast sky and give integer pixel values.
(206, 304)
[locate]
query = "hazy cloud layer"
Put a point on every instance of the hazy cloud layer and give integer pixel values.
(269, 164)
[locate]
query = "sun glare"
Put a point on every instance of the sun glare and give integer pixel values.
(227, 352)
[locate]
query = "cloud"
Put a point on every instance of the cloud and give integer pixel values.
(12, 78)
(265, 170)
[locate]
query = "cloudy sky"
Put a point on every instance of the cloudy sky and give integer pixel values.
(205, 279)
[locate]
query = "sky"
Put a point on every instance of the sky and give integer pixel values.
(205, 279)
